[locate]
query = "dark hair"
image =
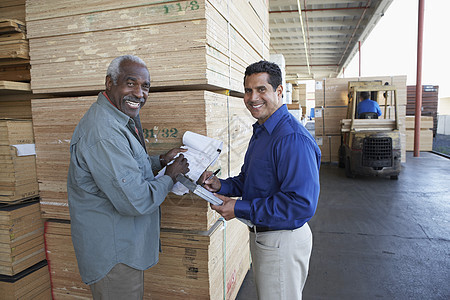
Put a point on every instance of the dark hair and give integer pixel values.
(365, 95)
(266, 67)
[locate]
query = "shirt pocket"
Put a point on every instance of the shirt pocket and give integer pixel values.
(261, 177)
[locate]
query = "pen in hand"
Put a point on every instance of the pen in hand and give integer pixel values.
(212, 175)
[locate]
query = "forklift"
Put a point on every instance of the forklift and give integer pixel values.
(371, 146)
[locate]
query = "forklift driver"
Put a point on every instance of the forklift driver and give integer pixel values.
(367, 108)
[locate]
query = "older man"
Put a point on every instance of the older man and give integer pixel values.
(114, 198)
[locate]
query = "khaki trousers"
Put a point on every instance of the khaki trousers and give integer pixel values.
(122, 282)
(280, 262)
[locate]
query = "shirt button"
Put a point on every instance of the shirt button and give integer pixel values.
(123, 180)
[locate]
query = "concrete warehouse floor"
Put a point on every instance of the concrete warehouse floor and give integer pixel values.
(376, 238)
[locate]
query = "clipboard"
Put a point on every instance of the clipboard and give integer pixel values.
(205, 194)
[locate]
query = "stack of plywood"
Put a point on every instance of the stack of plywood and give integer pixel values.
(331, 101)
(15, 91)
(193, 264)
(63, 267)
(23, 268)
(426, 133)
(15, 106)
(195, 44)
(13, 41)
(216, 115)
(195, 50)
(18, 179)
(21, 237)
(12, 9)
(299, 94)
(430, 99)
(32, 283)
(213, 263)
(22, 256)
(14, 56)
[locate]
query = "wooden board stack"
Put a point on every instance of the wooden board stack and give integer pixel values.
(216, 115)
(299, 94)
(18, 179)
(211, 40)
(12, 9)
(191, 264)
(14, 56)
(23, 268)
(22, 255)
(63, 267)
(196, 52)
(32, 283)
(331, 99)
(426, 133)
(430, 99)
(15, 90)
(214, 263)
(21, 237)
(163, 127)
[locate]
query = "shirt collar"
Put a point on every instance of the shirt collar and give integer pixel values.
(273, 120)
(104, 102)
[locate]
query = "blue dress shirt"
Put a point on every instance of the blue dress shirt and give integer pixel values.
(279, 180)
(368, 105)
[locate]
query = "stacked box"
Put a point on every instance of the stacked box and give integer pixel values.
(21, 237)
(18, 179)
(205, 44)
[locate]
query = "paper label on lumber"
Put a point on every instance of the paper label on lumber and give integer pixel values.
(318, 113)
(319, 85)
(319, 141)
(25, 149)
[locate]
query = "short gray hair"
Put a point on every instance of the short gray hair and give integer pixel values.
(114, 67)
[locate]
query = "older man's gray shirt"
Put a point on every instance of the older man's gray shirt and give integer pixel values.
(113, 196)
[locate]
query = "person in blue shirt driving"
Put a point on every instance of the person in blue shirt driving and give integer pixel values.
(278, 185)
(367, 105)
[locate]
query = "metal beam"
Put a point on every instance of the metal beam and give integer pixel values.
(418, 112)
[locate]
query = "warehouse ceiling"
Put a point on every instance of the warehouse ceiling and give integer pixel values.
(320, 41)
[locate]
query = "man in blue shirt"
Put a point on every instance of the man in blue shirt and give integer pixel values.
(367, 105)
(114, 199)
(279, 186)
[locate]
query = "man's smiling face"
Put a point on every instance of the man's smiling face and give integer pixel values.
(260, 97)
(131, 90)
